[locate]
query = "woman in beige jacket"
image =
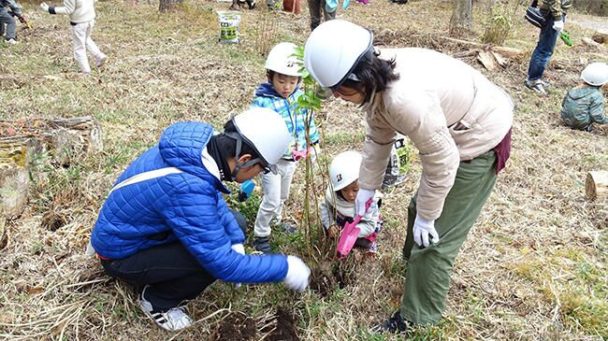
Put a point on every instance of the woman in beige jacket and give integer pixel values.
(458, 120)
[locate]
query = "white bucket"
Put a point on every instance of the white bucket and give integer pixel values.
(229, 26)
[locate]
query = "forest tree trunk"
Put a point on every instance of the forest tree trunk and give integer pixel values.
(462, 17)
(168, 5)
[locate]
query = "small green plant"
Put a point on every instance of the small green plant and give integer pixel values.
(498, 23)
(497, 29)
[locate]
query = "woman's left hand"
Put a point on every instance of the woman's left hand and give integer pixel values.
(363, 196)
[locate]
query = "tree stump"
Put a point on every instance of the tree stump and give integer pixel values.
(73, 137)
(596, 185)
(65, 140)
(3, 233)
(600, 37)
(14, 174)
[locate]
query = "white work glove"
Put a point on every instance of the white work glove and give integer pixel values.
(238, 248)
(297, 274)
(558, 25)
(363, 196)
(44, 7)
(423, 229)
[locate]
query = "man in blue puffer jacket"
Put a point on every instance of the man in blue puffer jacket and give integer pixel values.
(166, 228)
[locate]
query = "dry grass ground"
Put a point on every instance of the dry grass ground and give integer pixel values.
(534, 266)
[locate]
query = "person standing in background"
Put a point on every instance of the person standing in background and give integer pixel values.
(554, 14)
(82, 19)
(6, 18)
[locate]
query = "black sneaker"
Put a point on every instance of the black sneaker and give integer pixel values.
(173, 319)
(395, 324)
(262, 244)
(289, 228)
(544, 83)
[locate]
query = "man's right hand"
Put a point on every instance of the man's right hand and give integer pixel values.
(298, 274)
(44, 7)
(558, 25)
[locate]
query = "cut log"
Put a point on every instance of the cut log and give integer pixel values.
(505, 51)
(500, 59)
(469, 53)
(596, 185)
(590, 42)
(600, 36)
(487, 60)
(599, 55)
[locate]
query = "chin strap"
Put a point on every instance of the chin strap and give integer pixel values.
(237, 153)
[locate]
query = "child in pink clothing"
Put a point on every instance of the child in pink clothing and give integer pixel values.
(338, 208)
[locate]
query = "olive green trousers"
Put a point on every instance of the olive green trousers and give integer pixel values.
(428, 269)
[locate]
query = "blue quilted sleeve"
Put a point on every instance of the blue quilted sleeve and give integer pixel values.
(192, 210)
(230, 224)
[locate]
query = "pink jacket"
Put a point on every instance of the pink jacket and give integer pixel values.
(449, 110)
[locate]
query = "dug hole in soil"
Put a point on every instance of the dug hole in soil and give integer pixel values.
(331, 274)
(239, 327)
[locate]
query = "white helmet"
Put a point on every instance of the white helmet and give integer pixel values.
(333, 50)
(595, 74)
(281, 59)
(344, 169)
(265, 131)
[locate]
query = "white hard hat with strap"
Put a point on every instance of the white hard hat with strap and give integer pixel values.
(595, 74)
(344, 169)
(281, 59)
(265, 131)
(334, 49)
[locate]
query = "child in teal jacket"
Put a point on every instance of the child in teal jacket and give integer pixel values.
(583, 105)
(281, 94)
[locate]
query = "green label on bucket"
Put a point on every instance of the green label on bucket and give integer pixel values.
(229, 27)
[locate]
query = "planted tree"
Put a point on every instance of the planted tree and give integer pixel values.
(311, 103)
